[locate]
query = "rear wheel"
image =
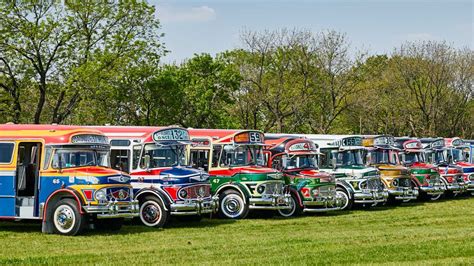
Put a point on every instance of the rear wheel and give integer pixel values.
(66, 218)
(152, 212)
(347, 202)
(295, 208)
(232, 205)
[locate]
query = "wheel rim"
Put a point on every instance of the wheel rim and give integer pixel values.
(436, 197)
(232, 206)
(151, 213)
(291, 211)
(344, 198)
(64, 219)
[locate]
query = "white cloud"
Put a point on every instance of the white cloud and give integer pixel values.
(193, 14)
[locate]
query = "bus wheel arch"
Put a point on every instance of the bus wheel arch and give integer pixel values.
(63, 203)
(154, 208)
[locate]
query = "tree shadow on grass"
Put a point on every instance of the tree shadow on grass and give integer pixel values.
(20, 226)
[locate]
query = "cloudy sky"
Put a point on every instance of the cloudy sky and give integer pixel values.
(377, 26)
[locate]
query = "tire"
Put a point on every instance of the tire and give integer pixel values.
(232, 205)
(295, 210)
(346, 198)
(439, 196)
(113, 224)
(153, 213)
(66, 218)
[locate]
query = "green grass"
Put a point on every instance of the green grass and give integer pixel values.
(416, 233)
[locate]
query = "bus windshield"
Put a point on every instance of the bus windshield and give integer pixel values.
(435, 157)
(382, 156)
(413, 157)
(457, 155)
(348, 158)
(300, 162)
(69, 158)
(163, 156)
(244, 155)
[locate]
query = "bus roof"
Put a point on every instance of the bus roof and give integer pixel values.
(50, 134)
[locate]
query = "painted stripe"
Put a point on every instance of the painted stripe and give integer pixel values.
(125, 134)
(7, 173)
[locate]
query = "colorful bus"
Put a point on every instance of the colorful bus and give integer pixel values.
(457, 151)
(311, 190)
(61, 175)
(163, 182)
(425, 176)
(342, 155)
(382, 154)
(451, 174)
(238, 171)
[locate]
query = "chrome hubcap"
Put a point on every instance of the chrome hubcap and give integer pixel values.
(64, 218)
(289, 212)
(232, 206)
(344, 199)
(150, 213)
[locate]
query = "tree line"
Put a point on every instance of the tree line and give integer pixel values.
(93, 62)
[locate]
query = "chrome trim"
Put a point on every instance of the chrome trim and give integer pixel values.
(404, 193)
(270, 202)
(195, 206)
(114, 209)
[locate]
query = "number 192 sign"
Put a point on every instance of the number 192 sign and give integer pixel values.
(171, 134)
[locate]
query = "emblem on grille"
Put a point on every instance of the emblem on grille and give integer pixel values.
(120, 194)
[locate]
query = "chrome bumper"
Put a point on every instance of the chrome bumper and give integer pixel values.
(270, 202)
(114, 209)
(404, 193)
(322, 204)
(433, 190)
(195, 206)
(457, 187)
(370, 197)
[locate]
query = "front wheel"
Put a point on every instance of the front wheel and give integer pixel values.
(295, 208)
(345, 198)
(232, 205)
(67, 219)
(152, 212)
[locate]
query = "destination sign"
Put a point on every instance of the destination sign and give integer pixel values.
(413, 145)
(438, 143)
(171, 134)
(457, 142)
(89, 138)
(303, 146)
(249, 137)
(385, 140)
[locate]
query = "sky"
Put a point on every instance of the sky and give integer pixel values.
(375, 26)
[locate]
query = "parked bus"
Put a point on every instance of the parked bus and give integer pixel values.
(425, 176)
(164, 183)
(457, 151)
(342, 155)
(238, 171)
(382, 153)
(61, 175)
(311, 189)
(451, 174)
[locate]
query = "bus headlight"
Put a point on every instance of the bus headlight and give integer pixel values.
(100, 195)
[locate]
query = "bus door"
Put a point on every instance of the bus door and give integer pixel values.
(7, 179)
(199, 159)
(27, 178)
(120, 156)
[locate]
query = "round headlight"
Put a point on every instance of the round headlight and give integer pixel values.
(395, 182)
(183, 193)
(100, 195)
(315, 191)
(201, 191)
(261, 189)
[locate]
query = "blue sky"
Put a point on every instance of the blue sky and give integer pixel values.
(376, 26)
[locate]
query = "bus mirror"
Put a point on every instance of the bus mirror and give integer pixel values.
(146, 160)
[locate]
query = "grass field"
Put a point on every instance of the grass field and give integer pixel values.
(415, 233)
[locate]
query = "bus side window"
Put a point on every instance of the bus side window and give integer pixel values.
(137, 149)
(120, 160)
(325, 158)
(6, 153)
(216, 154)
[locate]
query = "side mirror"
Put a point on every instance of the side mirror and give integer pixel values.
(334, 163)
(146, 160)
